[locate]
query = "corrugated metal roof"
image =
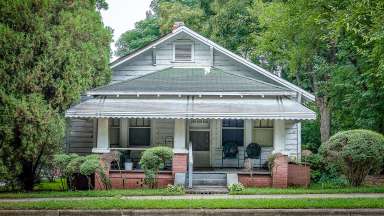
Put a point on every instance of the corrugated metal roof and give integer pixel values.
(197, 108)
(189, 80)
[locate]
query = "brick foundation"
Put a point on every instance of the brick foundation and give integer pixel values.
(179, 163)
(280, 171)
(299, 175)
(135, 179)
(256, 180)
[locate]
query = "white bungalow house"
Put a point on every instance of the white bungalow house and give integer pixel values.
(185, 88)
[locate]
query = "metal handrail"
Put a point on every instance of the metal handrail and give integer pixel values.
(190, 165)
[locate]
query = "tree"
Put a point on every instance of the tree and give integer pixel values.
(356, 153)
(51, 51)
(145, 31)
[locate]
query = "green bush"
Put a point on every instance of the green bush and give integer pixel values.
(175, 188)
(233, 188)
(152, 161)
(69, 165)
(355, 153)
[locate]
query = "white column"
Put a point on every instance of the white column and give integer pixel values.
(124, 124)
(247, 131)
(279, 136)
(102, 136)
(179, 138)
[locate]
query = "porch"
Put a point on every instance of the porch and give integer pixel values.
(208, 137)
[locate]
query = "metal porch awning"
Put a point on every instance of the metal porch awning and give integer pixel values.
(197, 108)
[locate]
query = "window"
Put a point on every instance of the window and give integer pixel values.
(114, 132)
(139, 132)
(199, 134)
(263, 132)
(182, 52)
(233, 131)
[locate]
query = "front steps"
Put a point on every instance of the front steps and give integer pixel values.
(208, 183)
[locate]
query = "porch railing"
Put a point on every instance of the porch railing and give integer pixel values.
(190, 165)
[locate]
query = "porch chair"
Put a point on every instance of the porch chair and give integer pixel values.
(253, 151)
(230, 151)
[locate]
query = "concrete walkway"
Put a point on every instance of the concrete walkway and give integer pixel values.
(218, 196)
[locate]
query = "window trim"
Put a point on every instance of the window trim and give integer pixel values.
(140, 127)
(232, 128)
(183, 43)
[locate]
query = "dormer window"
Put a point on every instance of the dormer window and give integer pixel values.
(183, 52)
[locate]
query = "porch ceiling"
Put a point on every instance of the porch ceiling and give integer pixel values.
(198, 108)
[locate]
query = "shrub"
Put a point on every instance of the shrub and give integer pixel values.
(72, 164)
(152, 161)
(175, 188)
(233, 188)
(355, 153)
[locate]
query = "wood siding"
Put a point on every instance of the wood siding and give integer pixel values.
(143, 63)
(81, 135)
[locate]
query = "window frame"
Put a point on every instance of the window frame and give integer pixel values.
(183, 43)
(263, 125)
(111, 127)
(139, 127)
(233, 128)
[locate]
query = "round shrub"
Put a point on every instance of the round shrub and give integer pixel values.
(153, 160)
(355, 153)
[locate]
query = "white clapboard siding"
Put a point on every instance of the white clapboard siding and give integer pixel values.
(291, 139)
(164, 132)
(80, 136)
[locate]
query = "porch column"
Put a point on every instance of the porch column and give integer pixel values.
(102, 143)
(180, 136)
(180, 156)
(279, 137)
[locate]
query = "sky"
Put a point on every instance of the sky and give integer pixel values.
(122, 15)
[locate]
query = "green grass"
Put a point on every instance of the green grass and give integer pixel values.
(91, 193)
(316, 189)
(115, 203)
(47, 189)
(56, 185)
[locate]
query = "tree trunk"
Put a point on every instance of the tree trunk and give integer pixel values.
(325, 118)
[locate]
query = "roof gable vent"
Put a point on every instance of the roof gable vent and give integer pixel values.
(183, 51)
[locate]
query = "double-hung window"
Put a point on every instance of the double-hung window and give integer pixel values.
(233, 131)
(183, 51)
(140, 132)
(114, 132)
(263, 132)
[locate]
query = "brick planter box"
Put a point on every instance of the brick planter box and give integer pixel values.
(299, 175)
(135, 179)
(256, 180)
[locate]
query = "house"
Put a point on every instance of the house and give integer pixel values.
(185, 89)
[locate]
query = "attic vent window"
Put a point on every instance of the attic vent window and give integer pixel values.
(183, 52)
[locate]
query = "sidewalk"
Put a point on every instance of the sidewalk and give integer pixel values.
(218, 196)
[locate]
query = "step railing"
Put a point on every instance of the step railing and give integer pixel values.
(190, 165)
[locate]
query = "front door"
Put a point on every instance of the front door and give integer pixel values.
(200, 147)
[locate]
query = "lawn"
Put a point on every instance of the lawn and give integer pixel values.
(315, 189)
(115, 203)
(47, 189)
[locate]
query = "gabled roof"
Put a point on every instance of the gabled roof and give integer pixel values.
(221, 49)
(192, 81)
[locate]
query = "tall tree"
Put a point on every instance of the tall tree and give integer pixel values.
(298, 37)
(145, 31)
(51, 51)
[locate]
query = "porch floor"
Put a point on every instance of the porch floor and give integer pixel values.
(256, 170)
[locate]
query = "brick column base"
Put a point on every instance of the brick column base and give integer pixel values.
(179, 163)
(280, 171)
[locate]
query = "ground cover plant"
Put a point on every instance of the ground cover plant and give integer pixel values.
(115, 203)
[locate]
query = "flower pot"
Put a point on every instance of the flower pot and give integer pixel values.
(128, 165)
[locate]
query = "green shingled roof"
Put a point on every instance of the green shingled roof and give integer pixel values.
(190, 80)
